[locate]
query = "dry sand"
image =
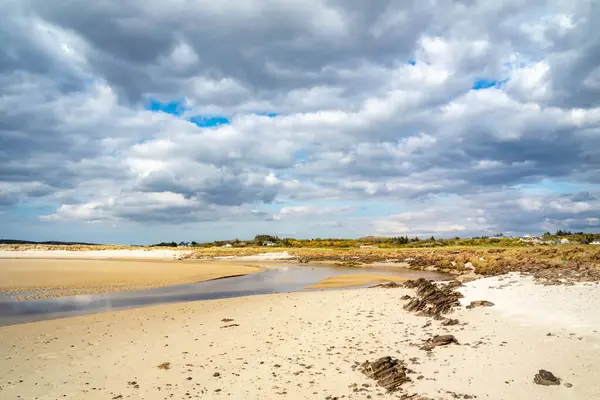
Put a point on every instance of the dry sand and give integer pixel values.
(70, 277)
(95, 254)
(303, 346)
(351, 280)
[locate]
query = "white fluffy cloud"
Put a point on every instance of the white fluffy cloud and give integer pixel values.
(344, 118)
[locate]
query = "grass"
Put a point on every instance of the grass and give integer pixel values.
(486, 260)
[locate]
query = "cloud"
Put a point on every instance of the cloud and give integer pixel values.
(295, 212)
(275, 113)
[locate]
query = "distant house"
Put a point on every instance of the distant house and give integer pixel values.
(564, 241)
(183, 244)
(228, 245)
(368, 246)
(529, 238)
(269, 244)
(595, 242)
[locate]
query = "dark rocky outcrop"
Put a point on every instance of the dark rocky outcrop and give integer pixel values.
(432, 300)
(389, 372)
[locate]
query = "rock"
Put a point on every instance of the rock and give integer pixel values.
(388, 285)
(389, 372)
(438, 340)
(449, 321)
(568, 385)
(431, 268)
(442, 340)
(405, 297)
(427, 347)
(546, 378)
(469, 265)
(216, 374)
(480, 303)
(432, 300)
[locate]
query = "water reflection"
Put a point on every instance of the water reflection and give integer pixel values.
(272, 280)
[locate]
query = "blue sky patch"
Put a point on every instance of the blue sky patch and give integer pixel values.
(175, 107)
(300, 155)
(204, 121)
(481, 84)
(270, 115)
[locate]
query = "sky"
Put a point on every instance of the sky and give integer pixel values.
(147, 121)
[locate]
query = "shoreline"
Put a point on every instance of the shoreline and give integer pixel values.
(277, 346)
(152, 254)
(38, 278)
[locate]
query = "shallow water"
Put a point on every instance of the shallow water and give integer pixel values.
(273, 280)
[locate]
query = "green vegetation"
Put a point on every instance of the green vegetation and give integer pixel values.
(499, 240)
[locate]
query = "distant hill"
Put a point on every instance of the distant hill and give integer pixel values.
(13, 241)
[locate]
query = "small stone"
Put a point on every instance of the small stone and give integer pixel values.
(216, 374)
(546, 378)
(568, 385)
(442, 340)
(449, 321)
(480, 303)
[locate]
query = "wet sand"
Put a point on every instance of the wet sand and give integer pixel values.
(304, 346)
(352, 280)
(55, 277)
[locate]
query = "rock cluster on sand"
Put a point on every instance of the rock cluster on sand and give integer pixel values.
(431, 300)
(389, 372)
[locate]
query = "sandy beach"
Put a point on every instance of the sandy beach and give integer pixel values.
(141, 254)
(53, 277)
(305, 346)
(351, 280)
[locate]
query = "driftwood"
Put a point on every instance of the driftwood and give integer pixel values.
(389, 372)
